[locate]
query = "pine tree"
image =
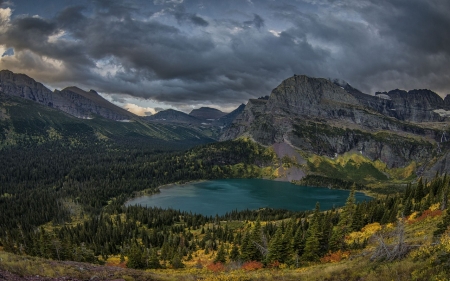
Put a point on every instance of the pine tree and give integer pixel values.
(221, 255)
(135, 257)
(176, 261)
(419, 191)
(407, 209)
(288, 237)
(312, 245)
(277, 248)
(153, 261)
(234, 254)
(344, 225)
(298, 243)
(249, 249)
(443, 225)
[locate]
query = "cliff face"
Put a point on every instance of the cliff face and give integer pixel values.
(304, 96)
(325, 118)
(72, 100)
(20, 85)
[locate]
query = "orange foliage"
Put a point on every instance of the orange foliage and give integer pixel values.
(275, 264)
(335, 257)
(216, 267)
(252, 265)
(425, 214)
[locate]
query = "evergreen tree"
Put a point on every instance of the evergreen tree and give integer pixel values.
(344, 226)
(234, 254)
(135, 257)
(277, 248)
(288, 237)
(153, 261)
(221, 255)
(419, 192)
(443, 225)
(176, 261)
(298, 243)
(249, 250)
(312, 245)
(255, 240)
(407, 209)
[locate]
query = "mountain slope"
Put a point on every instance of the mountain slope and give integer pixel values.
(71, 100)
(25, 122)
(227, 119)
(322, 118)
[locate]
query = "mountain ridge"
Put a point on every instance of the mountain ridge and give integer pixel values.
(71, 100)
(207, 113)
(317, 116)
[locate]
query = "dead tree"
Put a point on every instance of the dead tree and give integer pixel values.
(390, 252)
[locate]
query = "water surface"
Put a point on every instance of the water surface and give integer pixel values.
(221, 196)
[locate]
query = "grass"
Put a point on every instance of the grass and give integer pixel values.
(360, 169)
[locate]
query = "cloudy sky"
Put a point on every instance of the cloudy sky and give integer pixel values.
(147, 55)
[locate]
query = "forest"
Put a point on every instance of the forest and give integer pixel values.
(66, 202)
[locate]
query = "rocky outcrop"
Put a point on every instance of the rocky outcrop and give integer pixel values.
(441, 165)
(243, 121)
(304, 96)
(326, 118)
(72, 100)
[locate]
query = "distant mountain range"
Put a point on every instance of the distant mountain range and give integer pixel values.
(71, 100)
(210, 121)
(317, 122)
(206, 122)
(32, 114)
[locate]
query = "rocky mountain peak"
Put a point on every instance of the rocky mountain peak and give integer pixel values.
(323, 117)
(303, 95)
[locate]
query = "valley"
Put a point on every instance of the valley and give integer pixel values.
(70, 161)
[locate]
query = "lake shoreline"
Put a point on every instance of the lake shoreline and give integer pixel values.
(209, 197)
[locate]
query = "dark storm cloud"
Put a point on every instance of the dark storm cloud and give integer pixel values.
(182, 17)
(187, 52)
(257, 21)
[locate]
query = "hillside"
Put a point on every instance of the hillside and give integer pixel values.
(325, 120)
(376, 244)
(24, 122)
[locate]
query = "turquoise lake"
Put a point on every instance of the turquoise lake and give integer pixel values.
(221, 196)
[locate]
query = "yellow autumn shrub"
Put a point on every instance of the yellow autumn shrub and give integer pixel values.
(365, 233)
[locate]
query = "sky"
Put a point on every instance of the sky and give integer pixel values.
(149, 55)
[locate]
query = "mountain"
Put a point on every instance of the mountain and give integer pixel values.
(210, 127)
(207, 113)
(227, 119)
(327, 119)
(24, 122)
(71, 100)
(173, 116)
